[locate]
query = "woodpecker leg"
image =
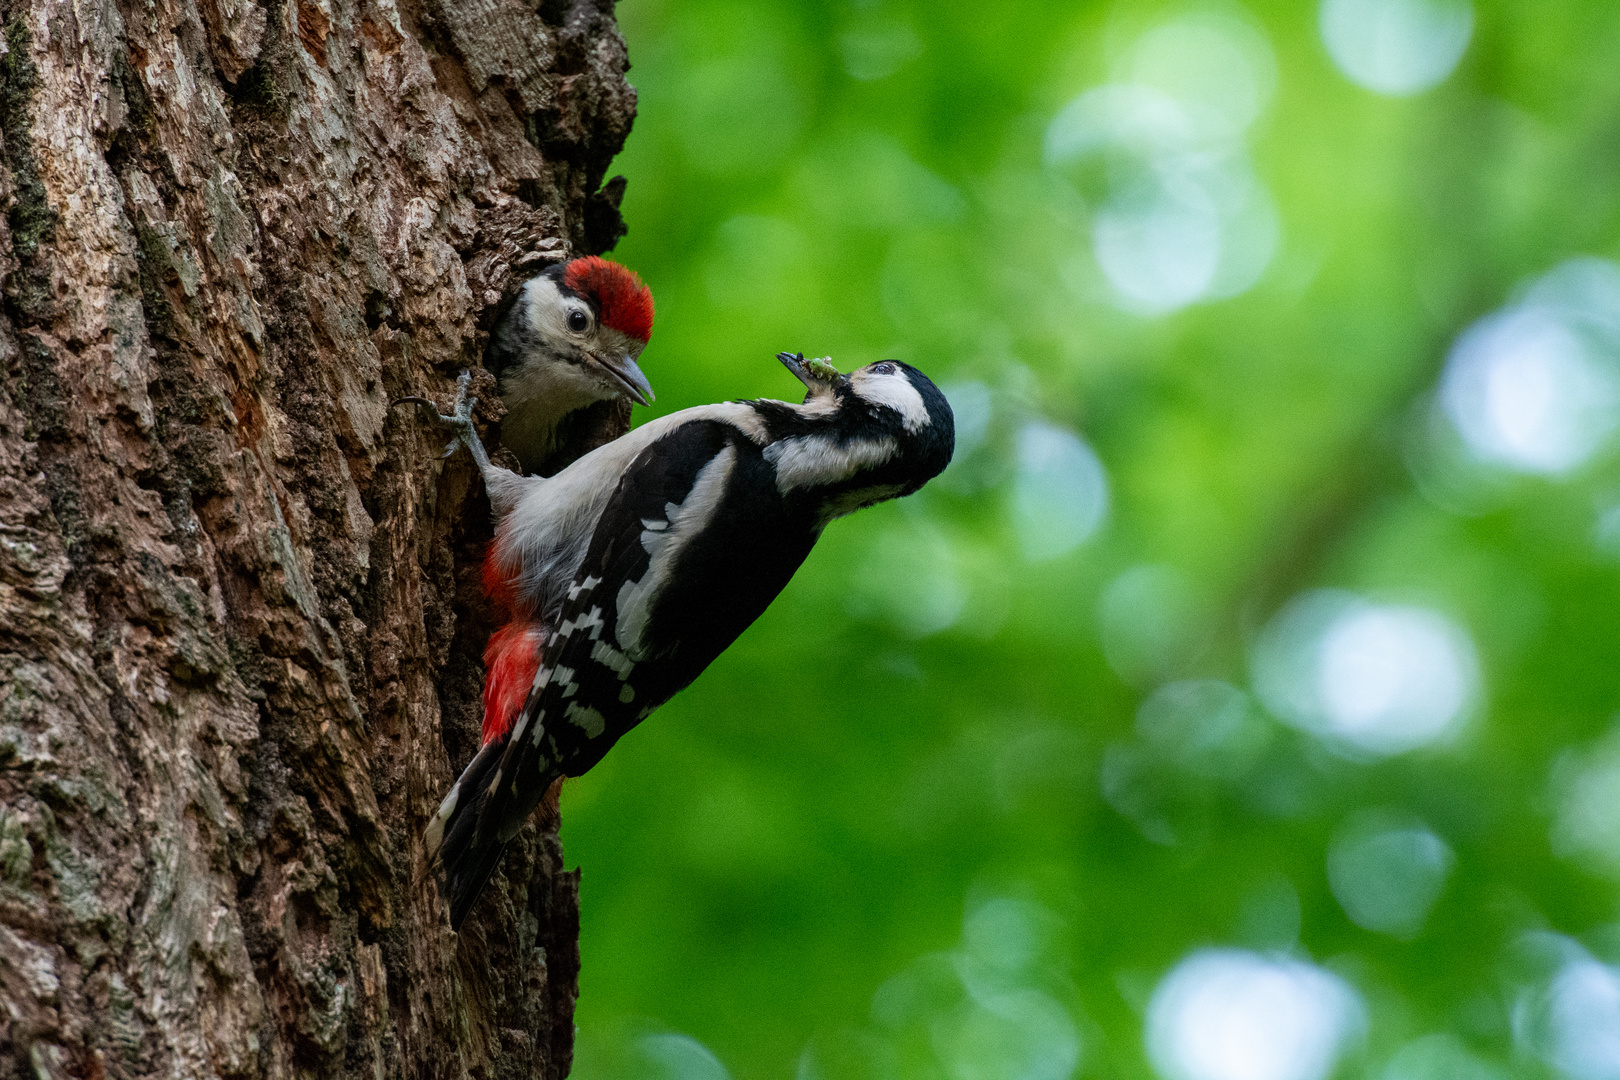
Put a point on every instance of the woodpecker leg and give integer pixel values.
(502, 484)
(459, 421)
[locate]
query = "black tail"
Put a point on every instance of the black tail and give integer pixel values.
(466, 871)
(453, 841)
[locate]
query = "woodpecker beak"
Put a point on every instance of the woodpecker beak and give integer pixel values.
(819, 377)
(629, 377)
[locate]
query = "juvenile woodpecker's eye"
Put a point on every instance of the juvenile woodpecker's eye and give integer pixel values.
(884, 368)
(578, 321)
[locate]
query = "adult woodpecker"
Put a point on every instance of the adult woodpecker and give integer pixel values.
(565, 351)
(650, 554)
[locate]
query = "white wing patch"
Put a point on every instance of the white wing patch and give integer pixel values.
(664, 545)
(542, 679)
(591, 621)
(808, 460)
(587, 719)
(565, 676)
(609, 657)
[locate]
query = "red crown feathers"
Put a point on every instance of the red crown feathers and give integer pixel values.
(627, 304)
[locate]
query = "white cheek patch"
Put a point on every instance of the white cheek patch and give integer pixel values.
(664, 545)
(548, 309)
(813, 460)
(897, 393)
(541, 297)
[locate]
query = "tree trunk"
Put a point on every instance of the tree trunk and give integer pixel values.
(239, 622)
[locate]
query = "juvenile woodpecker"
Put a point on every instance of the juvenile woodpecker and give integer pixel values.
(649, 555)
(565, 352)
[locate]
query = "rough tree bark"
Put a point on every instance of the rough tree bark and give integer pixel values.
(239, 628)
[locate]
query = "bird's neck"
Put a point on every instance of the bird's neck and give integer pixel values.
(539, 400)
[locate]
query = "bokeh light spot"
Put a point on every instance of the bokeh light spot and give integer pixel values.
(1006, 934)
(1019, 1034)
(672, 1056)
(1574, 1023)
(1586, 794)
(972, 407)
(1182, 218)
(1060, 491)
(1206, 726)
(1387, 878)
(1396, 47)
(1606, 532)
(1159, 247)
(1441, 1056)
(1151, 622)
(1526, 392)
(1227, 1014)
(1379, 678)
(910, 578)
(1220, 70)
(979, 1006)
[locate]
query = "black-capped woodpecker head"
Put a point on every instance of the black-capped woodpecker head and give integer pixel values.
(570, 338)
(879, 432)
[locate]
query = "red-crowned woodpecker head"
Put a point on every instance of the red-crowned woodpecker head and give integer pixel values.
(620, 300)
(571, 338)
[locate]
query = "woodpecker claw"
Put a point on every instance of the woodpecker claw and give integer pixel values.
(460, 419)
(414, 400)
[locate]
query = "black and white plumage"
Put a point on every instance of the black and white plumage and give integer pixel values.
(679, 535)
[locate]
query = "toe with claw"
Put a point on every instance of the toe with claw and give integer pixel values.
(459, 421)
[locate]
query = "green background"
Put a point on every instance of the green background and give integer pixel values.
(927, 760)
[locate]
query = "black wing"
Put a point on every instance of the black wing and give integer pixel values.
(693, 545)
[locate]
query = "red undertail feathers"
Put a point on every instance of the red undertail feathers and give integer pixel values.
(510, 662)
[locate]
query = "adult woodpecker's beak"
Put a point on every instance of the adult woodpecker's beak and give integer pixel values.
(624, 371)
(819, 376)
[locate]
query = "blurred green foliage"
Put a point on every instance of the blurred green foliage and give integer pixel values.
(937, 814)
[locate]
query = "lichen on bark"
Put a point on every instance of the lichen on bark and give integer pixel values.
(239, 616)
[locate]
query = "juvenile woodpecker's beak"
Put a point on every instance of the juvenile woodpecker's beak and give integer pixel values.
(624, 371)
(819, 376)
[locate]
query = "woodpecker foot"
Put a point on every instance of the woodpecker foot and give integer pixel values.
(459, 421)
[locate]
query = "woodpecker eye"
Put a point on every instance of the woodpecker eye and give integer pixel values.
(578, 321)
(884, 368)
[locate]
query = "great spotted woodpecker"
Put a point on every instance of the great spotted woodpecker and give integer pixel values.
(650, 554)
(565, 351)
